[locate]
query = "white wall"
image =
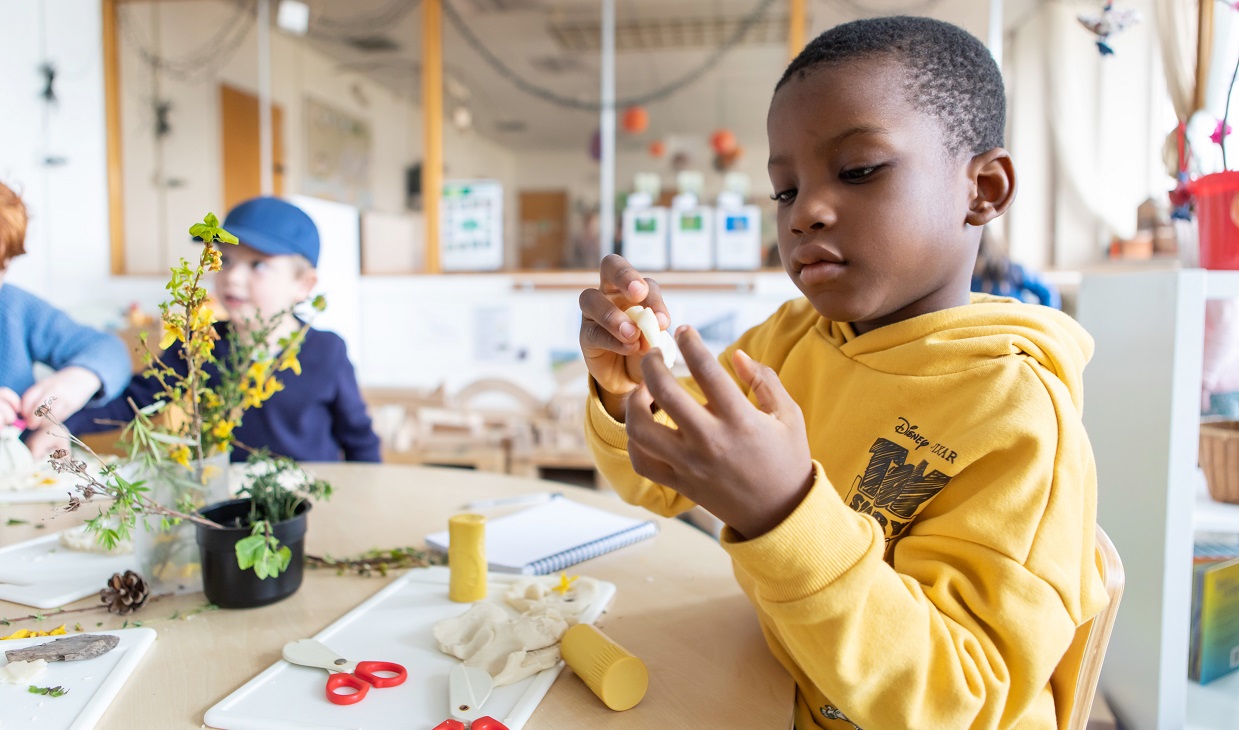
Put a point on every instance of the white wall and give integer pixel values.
(155, 228)
(67, 239)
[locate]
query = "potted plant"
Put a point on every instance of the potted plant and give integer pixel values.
(1215, 196)
(256, 554)
(179, 446)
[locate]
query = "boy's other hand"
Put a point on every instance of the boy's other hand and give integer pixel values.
(10, 406)
(749, 466)
(72, 387)
(610, 341)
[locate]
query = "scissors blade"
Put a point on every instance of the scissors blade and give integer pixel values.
(468, 690)
(311, 653)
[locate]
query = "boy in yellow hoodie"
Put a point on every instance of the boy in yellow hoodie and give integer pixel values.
(908, 490)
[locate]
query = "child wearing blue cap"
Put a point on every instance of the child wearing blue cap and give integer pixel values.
(91, 366)
(319, 415)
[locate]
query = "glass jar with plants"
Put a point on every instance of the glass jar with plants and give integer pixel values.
(178, 447)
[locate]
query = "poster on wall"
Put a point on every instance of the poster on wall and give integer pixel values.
(337, 155)
(471, 225)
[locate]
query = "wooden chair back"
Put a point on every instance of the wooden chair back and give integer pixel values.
(1094, 634)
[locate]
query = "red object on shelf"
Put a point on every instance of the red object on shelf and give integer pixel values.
(723, 141)
(486, 722)
(450, 725)
(635, 119)
(1217, 210)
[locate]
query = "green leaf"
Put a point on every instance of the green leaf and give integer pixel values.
(227, 237)
(199, 230)
(211, 220)
(14, 521)
(250, 551)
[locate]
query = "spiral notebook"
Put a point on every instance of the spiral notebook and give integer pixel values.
(552, 536)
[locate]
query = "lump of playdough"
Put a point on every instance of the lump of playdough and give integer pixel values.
(533, 596)
(508, 648)
(511, 646)
(16, 463)
(647, 321)
(20, 672)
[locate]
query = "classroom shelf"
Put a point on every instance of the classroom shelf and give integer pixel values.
(1143, 418)
(1222, 285)
(1211, 516)
(1213, 705)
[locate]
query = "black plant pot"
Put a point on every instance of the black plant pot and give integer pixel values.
(224, 583)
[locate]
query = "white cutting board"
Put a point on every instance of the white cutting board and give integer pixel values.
(45, 574)
(393, 626)
(92, 684)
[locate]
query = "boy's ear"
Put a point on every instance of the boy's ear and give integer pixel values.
(308, 279)
(993, 186)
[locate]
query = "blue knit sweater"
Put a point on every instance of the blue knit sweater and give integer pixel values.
(33, 331)
(318, 416)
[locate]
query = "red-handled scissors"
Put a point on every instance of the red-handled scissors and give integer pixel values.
(345, 675)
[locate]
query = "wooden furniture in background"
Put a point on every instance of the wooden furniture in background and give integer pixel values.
(491, 425)
(242, 176)
(543, 242)
(678, 608)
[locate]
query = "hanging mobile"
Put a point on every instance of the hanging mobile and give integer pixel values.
(1112, 20)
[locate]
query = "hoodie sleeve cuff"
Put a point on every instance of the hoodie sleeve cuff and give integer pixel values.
(818, 542)
(608, 430)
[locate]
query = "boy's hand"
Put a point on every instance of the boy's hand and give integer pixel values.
(749, 466)
(10, 406)
(72, 387)
(43, 442)
(611, 343)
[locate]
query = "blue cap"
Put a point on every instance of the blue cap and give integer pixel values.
(274, 227)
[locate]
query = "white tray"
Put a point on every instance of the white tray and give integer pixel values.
(45, 574)
(92, 684)
(50, 487)
(394, 625)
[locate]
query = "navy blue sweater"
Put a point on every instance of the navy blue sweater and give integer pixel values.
(33, 331)
(318, 416)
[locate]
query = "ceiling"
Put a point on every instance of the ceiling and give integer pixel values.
(552, 44)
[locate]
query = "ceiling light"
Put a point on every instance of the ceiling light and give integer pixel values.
(293, 17)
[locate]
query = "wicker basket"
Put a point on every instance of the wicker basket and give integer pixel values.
(1219, 458)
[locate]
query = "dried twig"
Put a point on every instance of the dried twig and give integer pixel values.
(378, 562)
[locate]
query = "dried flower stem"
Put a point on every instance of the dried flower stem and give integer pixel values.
(375, 561)
(63, 612)
(62, 461)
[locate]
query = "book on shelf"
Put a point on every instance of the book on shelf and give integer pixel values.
(553, 536)
(1214, 648)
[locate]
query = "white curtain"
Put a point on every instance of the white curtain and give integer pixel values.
(1177, 28)
(1086, 134)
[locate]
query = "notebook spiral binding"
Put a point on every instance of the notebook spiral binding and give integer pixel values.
(559, 561)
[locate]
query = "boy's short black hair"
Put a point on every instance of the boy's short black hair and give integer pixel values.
(951, 75)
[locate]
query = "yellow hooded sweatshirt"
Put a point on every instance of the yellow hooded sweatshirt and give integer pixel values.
(934, 576)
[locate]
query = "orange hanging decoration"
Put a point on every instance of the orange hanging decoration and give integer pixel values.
(635, 120)
(723, 141)
(658, 149)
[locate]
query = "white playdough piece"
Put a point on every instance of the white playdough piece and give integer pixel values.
(511, 647)
(20, 672)
(647, 321)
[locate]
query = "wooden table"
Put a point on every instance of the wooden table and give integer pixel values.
(678, 608)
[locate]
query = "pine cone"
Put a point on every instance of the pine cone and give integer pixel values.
(125, 593)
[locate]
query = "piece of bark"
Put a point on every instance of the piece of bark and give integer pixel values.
(68, 649)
